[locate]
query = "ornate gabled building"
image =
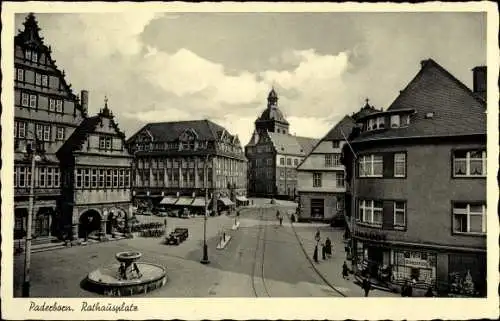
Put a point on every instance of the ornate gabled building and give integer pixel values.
(47, 117)
(172, 159)
(273, 154)
(418, 185)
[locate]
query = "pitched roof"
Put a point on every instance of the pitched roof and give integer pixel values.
(456, 111)
(170, 131)
(289, 144)
(342, 128)
(79, 135)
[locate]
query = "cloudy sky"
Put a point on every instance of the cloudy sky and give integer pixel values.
(165, 66)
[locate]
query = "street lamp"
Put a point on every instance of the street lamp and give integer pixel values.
(27, 253)
(205, 260)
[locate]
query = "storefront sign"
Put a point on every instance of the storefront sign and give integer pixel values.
(371, 235)
(418, 263)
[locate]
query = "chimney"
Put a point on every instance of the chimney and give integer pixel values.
(84, 100)
(479, 81)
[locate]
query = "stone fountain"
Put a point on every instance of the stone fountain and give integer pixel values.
(129, 277)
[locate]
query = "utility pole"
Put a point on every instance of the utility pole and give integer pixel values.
(205, 260)
(27, 251)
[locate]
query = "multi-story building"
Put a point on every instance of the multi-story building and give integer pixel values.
(419, 194)
(172, 159)
(273, 154)
(321, 175)
(47, 116)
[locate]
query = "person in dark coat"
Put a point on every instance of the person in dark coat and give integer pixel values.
(366, 286)
(323, 251)
(429, 292)
(328, 245)
(315, 255)
(345, 271)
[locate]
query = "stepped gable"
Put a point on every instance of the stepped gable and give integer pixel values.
(443, 106)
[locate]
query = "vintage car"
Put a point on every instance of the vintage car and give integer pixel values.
(178, 236)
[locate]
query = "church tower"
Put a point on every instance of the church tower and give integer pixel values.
(272, 119)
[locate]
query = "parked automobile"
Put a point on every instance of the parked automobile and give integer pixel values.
(173, 213)
(178, 236)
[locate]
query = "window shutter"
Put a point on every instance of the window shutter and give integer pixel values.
(388, 215)
(388, 165)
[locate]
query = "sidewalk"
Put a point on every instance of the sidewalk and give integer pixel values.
(331, 268)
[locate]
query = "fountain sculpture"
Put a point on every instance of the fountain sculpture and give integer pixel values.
(127, 278)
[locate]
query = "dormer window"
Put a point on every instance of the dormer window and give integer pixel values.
(27, 55)
(376, 123)
(371, 122)
(395, 120)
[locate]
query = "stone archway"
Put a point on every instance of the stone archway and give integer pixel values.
(90, 223)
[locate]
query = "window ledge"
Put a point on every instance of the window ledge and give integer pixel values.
(469, 176)
(469, 233)
(364, 224)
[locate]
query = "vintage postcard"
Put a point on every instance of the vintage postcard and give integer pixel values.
(249, 161)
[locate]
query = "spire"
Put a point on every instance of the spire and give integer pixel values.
(272, 98)
(105, 111)
(31, 30)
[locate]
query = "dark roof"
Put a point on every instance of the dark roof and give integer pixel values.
(274, 114)
(456, 110)
(170, 131)
(290, 144)
(342, 128)
(367, 109)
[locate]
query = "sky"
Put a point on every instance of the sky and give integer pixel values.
(156, 66)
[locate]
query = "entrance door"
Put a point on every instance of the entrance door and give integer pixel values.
(317, 208)
(90, 223)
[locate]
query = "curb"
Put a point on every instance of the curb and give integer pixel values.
(313, 264)
(223, 244)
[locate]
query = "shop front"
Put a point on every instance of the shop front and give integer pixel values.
(467, 274)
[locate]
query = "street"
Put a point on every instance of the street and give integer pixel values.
(262, 259)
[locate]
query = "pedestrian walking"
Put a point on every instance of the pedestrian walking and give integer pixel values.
(366, 286)
(277, 214)
(281, 220)
(328, 245)
(315, 255)
(345, 271)
(429, 292)
(323, 251)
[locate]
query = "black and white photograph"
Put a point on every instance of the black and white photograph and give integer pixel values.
(321, 159)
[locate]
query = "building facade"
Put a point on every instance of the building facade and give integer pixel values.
(419, 186)
(177, 162)
(273, 154)
(321, 182)
(47, 114)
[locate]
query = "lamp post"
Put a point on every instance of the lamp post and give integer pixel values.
(27, 252)
(205, 260)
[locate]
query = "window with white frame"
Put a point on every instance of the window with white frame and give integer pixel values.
(86, 177)
(469, 218)
(335, 143)
(57, 177)
(328, 160)
(370, 212)
(296, 162)
(282, 161)
(19, 129)
(16, 169)
(288, 161)
(394, 121)
(399, 165)
(94, 177)
(126, 179)
(469, 163)
(339, 178)
(52, 104)
(101, 178)
(45, 81)
(33, 99)
(38, 79)
(317, 179)
(121, 177)
(25, 100)
(20, 74)
(59, 106)
(399, 214)
(370, 166)
(42, 176)
(404, 121)
(39, 131)
(79, 178)
(46, 133)
(50, 177)
(27, 54)
(60, 133)
(22, 177)
(115, 178)
(34, 56)
(380, 123)
(109, 178)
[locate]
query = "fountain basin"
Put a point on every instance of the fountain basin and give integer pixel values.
(107, 281)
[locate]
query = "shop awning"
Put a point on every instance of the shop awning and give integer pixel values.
(226, 201)
(168, 200)
(199, 201)
(184, 201)
(242, 198)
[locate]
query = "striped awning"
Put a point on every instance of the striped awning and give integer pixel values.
(226, 201)
(168, 200)
(184, 201)
(199, 201)
(242, 198)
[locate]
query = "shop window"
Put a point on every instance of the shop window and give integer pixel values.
(469, 163)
